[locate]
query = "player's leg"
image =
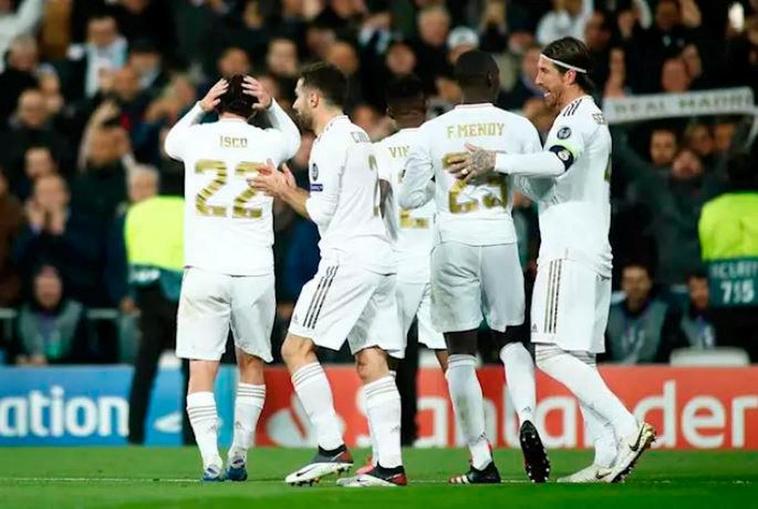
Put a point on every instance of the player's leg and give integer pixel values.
(427, 334)
(202, 329)
(328, 307)
(456, 310)
(251, 326)
(566, 333)
(600, 432)
(376, 334)
(503, 305)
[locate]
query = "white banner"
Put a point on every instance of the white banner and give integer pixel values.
(725, 101)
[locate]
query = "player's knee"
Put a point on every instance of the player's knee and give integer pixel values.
(294, 350)
(371, 365)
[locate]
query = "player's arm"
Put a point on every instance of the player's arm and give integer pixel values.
(417, 187)
(275, 114)
(532, 188)
(176, 139)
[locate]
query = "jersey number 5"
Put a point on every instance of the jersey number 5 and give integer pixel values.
(239, 210)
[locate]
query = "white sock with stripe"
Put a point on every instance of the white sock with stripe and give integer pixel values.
(247, 409)
(519, 374)
(585, 382)
(383, 409)
(601, 433)
(201, 408)
(315, 394)
(372, 434)
(468, 403)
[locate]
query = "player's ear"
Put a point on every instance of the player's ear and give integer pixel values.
(389, 112)
(313, 99)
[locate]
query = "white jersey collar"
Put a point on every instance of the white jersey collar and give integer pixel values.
(474, 105)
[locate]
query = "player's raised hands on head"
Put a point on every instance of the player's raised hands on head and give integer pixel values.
(252, 86)
(213, 97)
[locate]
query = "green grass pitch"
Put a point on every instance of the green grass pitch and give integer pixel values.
(167, 477)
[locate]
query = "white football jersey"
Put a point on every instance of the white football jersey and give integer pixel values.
(575, 211)
(411, 230)
(228, 225)
(477, 213)
(344, 198)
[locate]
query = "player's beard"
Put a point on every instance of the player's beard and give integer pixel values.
(304, 119)
(552, 98)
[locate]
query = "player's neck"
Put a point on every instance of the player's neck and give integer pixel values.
(322, 118)
(476, 98)
(231, 116)
(409, 121)
(570, 95)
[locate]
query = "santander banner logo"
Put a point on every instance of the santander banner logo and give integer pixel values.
(704, 408)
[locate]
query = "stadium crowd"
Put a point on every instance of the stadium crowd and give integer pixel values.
(89, 88)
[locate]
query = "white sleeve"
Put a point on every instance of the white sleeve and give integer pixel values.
(542, 164)
(415, 190)
(27, 16)
(324, 196)
(565, 144)
(176, 139)
(283, 123)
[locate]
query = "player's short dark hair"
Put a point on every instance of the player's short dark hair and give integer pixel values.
(475, 69)
(405, 92)
(327, 79)
(235, 100)
(572, 52)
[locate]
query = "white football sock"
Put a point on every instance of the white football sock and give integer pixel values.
(600, 432)
(312, 387)
(519, 372)
(247, 408)
(468, 403)
(383, 409)
(587, 385)
(201, 408)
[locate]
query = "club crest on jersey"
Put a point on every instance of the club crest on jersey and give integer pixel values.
(563, 133)
(314, 171)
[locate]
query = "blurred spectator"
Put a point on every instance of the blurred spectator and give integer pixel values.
(493, 27)
(430, 45)
(723, 134)
(93, 63)
(11, 222)
(674, 200)
(567, 19)
(459, 41)
(146, 19)
(674, 77)
(146, 61)
(31, 127)
(695, 326)
(663, 146)
(641, 328)
(676, 25)
(18, 75)
(741, 64)
(62, 237)
(699, 139)
(50, 328)
(597, 35)
(400, 60)
(100, 189)
(615, 84)
(281, 59)
(319, 37)
(540, 115)
(21, 22)
(694, 66)
(246, 28)
(344, 56)
(729, 236)
(524, 89)
(38, 162)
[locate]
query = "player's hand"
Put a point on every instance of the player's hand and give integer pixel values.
(288, 176)
(477, 162)
(252, 86)
(269, 180)
(213, 97)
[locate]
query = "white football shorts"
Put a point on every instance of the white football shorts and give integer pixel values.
(472, 282)
(570, 306)
(347, 302)
(415, 300)
(210, 303)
